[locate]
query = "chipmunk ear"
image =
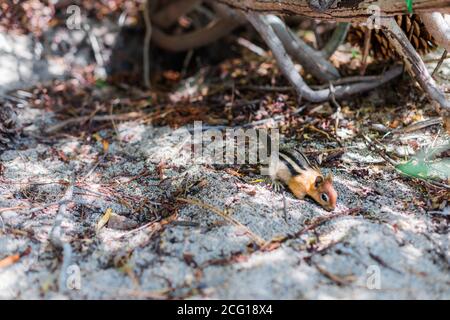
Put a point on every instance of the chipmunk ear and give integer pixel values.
(329, 177)
(318, 182)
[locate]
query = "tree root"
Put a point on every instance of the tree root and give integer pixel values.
(413, 61)
(310, 59)
(285, 44)
(198, 38)
(168, 15)
(288, 69)
(438, 27)
(227, 20)
(337, 38)
(147, 39)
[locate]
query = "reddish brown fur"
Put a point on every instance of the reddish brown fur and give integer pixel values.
(305, 184)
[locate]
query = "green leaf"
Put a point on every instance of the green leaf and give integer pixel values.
(101, 83)
(409, 4)
(414, 168)
(428, 170)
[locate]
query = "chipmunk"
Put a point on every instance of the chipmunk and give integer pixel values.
(303, 178)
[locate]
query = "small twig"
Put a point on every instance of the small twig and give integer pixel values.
(82, 119)
(252, 47)
(408, 129)
(145, 226)
(266, 88)
(337, 279)
(314, 224)
(313, 128)
(186, 62)
(419, 125)
(60, 202)
(337, 114)
(348, 80)
(147, 39)
(379, 149)
(183, 223)
(96, 49)
(36, 209)
(337, 38)
(56, 235)
(413, 61)
(441, 61)
(285, 213)
(158, 223)
(341, 81)
(382, 262)
(3, 224)
(92, 169)
(258, 240)
(367, 42)
(13, 208)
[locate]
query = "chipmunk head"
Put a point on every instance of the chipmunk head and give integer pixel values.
(324, 192)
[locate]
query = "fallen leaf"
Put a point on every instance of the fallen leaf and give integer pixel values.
(6, 262)
(105, 144)
(119, 222)
(160, 168)
(10, 260)
(104, 219)
(233, 172)
(447, 123)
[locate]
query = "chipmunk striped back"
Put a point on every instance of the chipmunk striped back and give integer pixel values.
(296, 161)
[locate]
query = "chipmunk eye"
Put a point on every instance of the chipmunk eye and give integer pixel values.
(324, 197)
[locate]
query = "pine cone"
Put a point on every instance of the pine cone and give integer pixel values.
(381, 49)
(8, 122)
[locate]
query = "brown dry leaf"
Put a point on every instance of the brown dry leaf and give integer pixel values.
(250, 190)
(160, 168)
(105, 144)
(62, 156)
(447, 123)
(233, 172)
(104, 219)
(172, 75)
(394, 124)
(340, 280)
(10, 260)
(6, 262)
(189, 259)
(272, 246)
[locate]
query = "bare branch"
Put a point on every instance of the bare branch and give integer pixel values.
(413, 61)
(287, 67)
(170, 14)
(438, 27)
(341, 10)
(147, 39)
(310, 59)
(214, 31)
(337, 38)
